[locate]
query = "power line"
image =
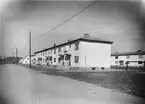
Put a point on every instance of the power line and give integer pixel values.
(62, 23)
(65, 21)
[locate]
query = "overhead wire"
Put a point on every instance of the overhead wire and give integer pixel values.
(65, 21)
(70, 18)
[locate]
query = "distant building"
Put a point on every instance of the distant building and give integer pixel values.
(26, 60)
(82, 52)
(136, 59)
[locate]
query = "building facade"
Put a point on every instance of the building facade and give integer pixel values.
(26, 60)
(82, 52)
(135, 59)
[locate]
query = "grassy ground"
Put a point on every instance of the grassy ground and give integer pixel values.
(129, 68)
(131, 82)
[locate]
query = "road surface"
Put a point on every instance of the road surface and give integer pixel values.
(20, 85)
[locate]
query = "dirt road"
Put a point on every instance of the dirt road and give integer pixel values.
(20, 85)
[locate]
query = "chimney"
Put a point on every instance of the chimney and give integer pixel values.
(139, 50)
(69, 40)
(54, 45)
(87, 35)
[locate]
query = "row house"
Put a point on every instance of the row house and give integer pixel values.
(135, 59)
(82, 52)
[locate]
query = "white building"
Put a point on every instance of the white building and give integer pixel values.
(136, 59)
(82, 52)
(26, 60)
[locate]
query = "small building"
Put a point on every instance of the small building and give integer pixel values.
(135, 59)
(26, 60)
(82, 52)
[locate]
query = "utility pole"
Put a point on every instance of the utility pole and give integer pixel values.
(16, 56)
(30, 49)
(85, 61)
(13, 54)
(16, 53)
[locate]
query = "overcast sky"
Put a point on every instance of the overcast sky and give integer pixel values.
(121, 22)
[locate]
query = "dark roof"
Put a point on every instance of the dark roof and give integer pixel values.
(88, 39)
(128, 53)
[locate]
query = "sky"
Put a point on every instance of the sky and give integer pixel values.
(119, 21)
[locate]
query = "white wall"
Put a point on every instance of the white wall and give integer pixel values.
(97, 54)
(26, 60)
(132, 58)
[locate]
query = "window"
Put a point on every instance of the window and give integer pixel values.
(116, 57)
(39, 59)
(140, 56)
(116, 62)
(76, 59)
(140, 62)
(54, 50)
(67, 57)
(54, 59)
(70, 46)
(121, 62)
(77, 46)
(127, 57)
(64, 48)
(59, 49)
(50, 58)
(59, 59)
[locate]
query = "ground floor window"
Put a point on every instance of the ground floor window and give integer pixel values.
(39, 59)
(121, 62)
(67, 57)
(76, 59)
(50, 58)
(54, 59)
(116, 62)
(140, 62)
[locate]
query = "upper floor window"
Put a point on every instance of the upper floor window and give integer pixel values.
(59, 49)
(140, 56)
(127, 57)
(116, 57)
(50, 51)
(54, 50)
(77, 46)
(70, 46)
